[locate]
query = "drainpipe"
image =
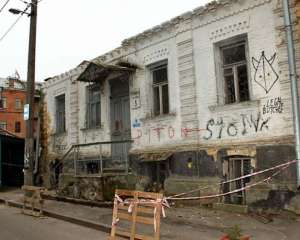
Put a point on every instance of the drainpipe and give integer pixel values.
(293, 80)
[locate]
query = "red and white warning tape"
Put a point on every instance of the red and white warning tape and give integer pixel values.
(268, 179)
(164, 202)
(287, 164)
(132, 203)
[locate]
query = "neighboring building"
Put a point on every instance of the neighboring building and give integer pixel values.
(11, 159)
(205, 97)
(12, 100)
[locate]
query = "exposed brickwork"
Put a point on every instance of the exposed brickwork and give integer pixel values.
(10, 114)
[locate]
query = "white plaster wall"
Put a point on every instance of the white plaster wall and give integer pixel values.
(239, 123)
(88, 135)
(150, 131)
(59, 143)
(257, 23)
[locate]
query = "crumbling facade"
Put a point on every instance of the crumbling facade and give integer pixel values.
(205, 97)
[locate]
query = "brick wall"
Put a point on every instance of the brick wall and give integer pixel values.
(11, 115)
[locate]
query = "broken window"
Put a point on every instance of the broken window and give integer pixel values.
(235, 73)
(159, 74)
(17, 127)
(60, 114)
(93, 106)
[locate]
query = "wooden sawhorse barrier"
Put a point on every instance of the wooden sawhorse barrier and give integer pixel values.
(33, 202)
(136, 207)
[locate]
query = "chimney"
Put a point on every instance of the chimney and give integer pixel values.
(11, 82)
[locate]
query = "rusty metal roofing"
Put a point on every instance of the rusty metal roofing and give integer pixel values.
(155, 157)
(99, 71)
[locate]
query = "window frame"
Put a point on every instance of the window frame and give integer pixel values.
(3, 123)
(20, 101)
(155, 67)
(60, 114)
(90, 122)
(17, 127)
(4, 107)
(225, 44)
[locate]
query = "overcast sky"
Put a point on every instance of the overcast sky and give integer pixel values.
(70, 31)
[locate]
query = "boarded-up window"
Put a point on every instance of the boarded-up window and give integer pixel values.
(60, 114)
(93, 106)
(160, 88)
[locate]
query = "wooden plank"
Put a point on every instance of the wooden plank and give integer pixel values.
(139, 219)
(122, 192)
(134, 214)
(121, 212)
(146, 210)
(114, 219)
(137, 236)
(157, 222)
(149, 195)
(149, 210)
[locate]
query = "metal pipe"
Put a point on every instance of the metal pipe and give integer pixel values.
(293, 80)
(101, 163)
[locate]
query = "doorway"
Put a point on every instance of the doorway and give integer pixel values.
(11, 161)
(237, 167)
(120, 121)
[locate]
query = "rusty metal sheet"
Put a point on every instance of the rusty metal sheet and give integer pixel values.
(96, 72)
(155, 157)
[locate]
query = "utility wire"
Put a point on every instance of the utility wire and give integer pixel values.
(29, 2)
(15, 22)
(4, 5)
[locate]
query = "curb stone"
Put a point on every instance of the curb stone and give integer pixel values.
(85, 223)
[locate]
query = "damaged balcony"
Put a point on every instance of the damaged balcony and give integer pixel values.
(99, 159)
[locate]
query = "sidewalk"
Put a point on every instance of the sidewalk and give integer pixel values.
(189, 223)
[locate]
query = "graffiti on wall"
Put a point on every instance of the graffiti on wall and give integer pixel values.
(265, 75)
(59, 144)
(136, 124)
(216, 128)
(160, 132)
(273, 105)
(219, 128)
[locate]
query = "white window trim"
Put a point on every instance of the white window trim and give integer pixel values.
(152, 67)
(88, 120)
(221, 94)
(59, 130)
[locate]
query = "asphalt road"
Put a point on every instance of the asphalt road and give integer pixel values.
(16, 226)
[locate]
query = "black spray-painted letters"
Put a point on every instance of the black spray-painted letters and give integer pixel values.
(272, 106)
(246, 123)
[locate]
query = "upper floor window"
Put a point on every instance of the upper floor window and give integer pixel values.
(159, 73)
(3, 102)
(18, 103)
(17, 127)
(235, 72)
(93, 116)
(3, 125)
(60, 114)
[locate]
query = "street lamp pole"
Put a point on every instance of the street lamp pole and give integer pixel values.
(29, 140)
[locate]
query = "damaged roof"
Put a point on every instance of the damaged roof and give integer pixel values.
(100, 71)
